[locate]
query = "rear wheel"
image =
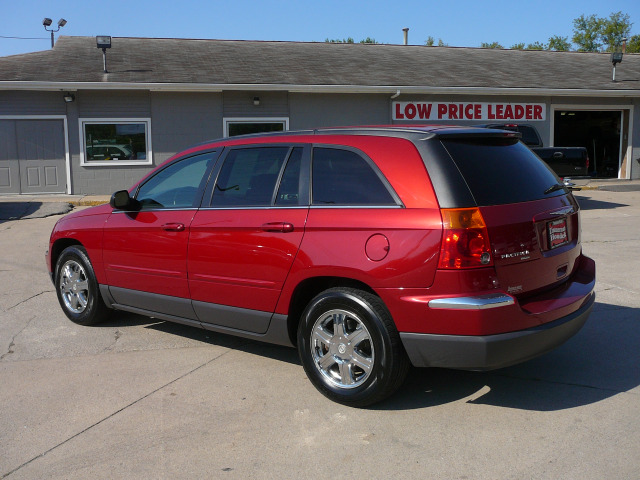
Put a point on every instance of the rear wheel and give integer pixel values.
(77, 287)
(350, 348)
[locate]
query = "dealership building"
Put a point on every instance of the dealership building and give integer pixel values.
(79, 119)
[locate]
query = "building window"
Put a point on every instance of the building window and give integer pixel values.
(110, 142)
(245, 126)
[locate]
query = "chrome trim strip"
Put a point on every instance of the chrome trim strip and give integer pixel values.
(481, 302)
(563, 211)
(177, 209)
(262, 207)
(356, 207)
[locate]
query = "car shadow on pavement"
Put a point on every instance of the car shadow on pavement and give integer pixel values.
(10, 211)
(601, 361)
(587, 203)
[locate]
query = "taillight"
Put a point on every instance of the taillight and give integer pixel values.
(465, 239)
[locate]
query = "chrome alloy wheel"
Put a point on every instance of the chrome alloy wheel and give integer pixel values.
(342, 349)
(74, 286)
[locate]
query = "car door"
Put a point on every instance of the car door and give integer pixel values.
(243, 243)
(145, 250)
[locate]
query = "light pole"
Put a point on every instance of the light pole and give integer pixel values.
(47, 23)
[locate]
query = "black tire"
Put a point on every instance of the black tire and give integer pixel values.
(77, 287)
(350, 348)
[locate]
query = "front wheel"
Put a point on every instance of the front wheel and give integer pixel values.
(350, 348)
(77, 287)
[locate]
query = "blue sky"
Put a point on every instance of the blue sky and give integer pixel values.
(457, 23)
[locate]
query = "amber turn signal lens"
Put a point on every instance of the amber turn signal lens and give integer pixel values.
(465, 239)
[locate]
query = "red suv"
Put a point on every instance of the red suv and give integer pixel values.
(371, 249)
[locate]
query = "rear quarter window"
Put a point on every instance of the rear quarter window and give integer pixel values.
(500, 172)
(343, 177)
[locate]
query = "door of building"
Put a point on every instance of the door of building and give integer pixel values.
(32, 156)
(604, 133)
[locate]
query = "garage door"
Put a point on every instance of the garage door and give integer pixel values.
(32, 156)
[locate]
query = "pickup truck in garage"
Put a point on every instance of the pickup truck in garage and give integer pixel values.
(564, 161)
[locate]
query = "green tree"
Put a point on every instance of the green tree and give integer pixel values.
(517, 46)
(350, 40)
(536, 46)
(586, 33)
(337, 40)
(430, 42)
(614, 29)
(559, 44)
(633, 44)
(490, 45)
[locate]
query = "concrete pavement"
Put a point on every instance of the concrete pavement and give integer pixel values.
(140, 398)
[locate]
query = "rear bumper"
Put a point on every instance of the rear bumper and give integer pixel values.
(488, 352)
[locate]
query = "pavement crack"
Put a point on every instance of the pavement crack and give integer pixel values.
(117, 334)
(30, 298)
(113, 414)
(611, 287)
(566, 384)
(12, 343)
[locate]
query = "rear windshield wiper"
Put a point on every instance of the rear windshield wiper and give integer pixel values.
(554, 188)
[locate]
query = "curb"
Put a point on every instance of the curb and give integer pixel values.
(87, 203)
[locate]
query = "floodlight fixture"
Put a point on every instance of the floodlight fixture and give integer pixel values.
(47, 23)
(616, 58)
(103, 42)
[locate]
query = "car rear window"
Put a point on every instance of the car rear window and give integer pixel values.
(500, 172)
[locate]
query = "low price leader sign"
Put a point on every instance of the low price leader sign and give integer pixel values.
(469, 111)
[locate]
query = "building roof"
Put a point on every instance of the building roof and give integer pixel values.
(185, 64)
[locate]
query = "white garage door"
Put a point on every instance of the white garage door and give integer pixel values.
(32, 156)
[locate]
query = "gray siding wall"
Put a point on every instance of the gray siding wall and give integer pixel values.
(240, 104)
(309, 110)
(114, 104)
(32, 103)
(180, 120)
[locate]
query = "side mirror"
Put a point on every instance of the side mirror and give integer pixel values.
(121, 200)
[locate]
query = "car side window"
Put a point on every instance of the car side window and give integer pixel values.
(177, 185)
(343, 177)
(248, 177)
(289, 190)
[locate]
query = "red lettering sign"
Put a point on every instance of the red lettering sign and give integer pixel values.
(424, 110)
(437, 111)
